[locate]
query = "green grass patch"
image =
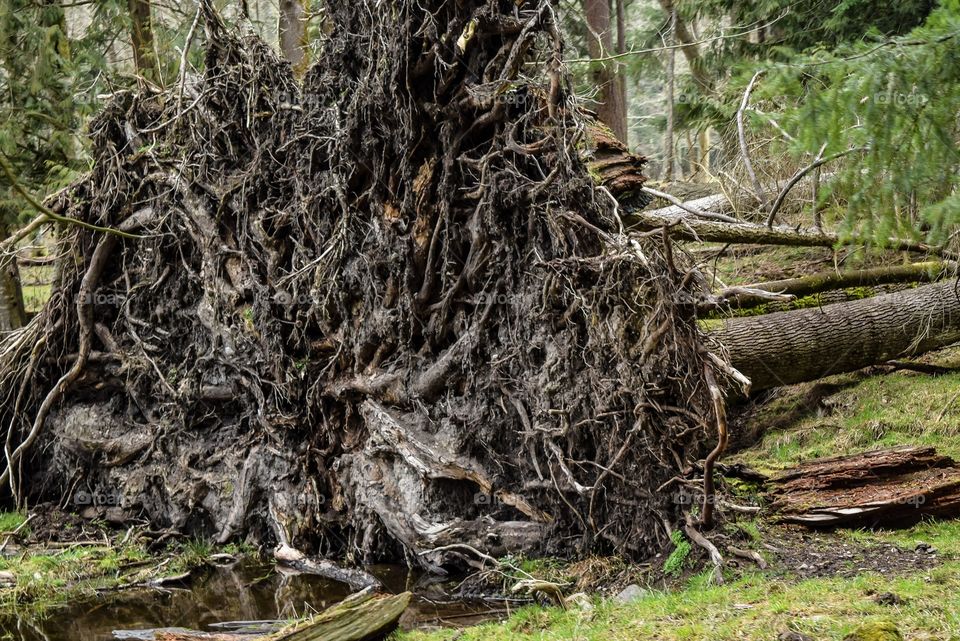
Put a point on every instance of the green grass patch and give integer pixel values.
(902, 408)
(754, 607)
(10, 521)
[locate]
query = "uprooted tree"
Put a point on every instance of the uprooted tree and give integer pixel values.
(384, 313)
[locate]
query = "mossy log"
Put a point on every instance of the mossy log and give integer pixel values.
(742, 298)
(362, 617)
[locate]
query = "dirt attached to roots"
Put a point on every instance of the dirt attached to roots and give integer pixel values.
(382, 313)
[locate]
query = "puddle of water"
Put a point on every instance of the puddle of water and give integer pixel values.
(244, 591)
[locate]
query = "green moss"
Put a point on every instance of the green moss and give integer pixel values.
(876, 631)
(675, 563)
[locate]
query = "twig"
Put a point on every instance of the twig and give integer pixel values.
(818, 162)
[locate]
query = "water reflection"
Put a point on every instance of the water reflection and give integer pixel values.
(244, 591)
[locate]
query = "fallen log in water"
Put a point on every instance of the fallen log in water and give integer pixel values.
(362, 617)
(890, 487)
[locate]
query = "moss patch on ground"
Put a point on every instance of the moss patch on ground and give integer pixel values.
(39, 577)
(752, 608)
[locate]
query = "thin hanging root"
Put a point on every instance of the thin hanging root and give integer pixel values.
(84, 302)
(720, 414)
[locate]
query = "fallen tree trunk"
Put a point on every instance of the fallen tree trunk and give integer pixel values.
(803, 345)
(684, 226)
(898, 486)
(744, 298)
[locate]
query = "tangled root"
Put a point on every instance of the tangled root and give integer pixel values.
(380, 313)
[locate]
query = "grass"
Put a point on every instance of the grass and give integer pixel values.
(902, 408)
(752, 608)
(10, 521)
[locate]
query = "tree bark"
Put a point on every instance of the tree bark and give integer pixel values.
(12, 313)
(891, 487)
(141, 39)
(611, 108)
(668, 146)
(690, 49)
(293, 33)
(804, 345)
(816, 283)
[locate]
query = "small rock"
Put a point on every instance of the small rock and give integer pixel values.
(882, 631)
(888, 598)
(631, 593)
(790, 635)
(579, 601)
(7, 578)
(922, 547)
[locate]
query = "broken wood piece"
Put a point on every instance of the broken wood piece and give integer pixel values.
(357, 579)
(890, 487)
(361, 617)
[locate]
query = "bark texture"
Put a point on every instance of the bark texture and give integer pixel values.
(611, 91)
(12, 312)
(803, 345)
(141, 39)
(292, 29)
(891, 487)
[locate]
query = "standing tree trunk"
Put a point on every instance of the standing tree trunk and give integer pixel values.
(807, 344)
(293, 34)
(668, 146)
(612, 109)
(12, 313)
(690, 49)
(141, 40)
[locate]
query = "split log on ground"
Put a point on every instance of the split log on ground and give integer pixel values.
(744, 297)
(807, 344)
(898, 486)
(361, 617)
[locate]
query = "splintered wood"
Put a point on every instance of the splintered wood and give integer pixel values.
(891, 487)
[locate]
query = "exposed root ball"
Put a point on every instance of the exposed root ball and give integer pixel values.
(382, 313)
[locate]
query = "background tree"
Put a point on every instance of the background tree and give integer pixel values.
(610, 87)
